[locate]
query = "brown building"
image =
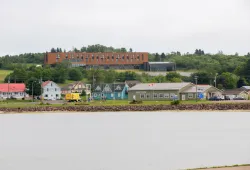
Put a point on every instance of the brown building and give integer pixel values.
(103, 60)
(107, 60)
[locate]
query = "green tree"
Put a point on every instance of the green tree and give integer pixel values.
(124, 50)
(110, 76)
(95, 76)
(228, 80)
(34, 86)
(157, 57)
(75, 74)
(131, 50)
(172, 75)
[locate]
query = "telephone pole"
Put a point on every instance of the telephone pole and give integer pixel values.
(196, 77)
(8, 96)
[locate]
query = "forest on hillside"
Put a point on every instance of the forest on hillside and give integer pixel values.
(231, 71)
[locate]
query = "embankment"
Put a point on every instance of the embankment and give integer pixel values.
(86, 108)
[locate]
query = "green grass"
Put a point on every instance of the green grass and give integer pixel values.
(3, 74)
(23, 104)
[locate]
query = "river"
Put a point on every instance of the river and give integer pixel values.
(123, 140)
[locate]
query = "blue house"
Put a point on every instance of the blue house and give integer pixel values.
(117, 91)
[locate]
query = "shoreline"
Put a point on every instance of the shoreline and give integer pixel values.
(243, 107)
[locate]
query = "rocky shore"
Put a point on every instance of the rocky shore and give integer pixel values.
(188, 107)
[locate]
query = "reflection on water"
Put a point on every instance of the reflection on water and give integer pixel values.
(123, 141)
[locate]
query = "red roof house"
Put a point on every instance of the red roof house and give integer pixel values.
(12, 87)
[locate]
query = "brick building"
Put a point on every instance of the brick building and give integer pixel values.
(106, 60)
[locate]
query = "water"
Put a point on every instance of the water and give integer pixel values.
(124, 140)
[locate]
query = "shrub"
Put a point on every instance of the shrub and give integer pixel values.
(135, 102)
(175, 102)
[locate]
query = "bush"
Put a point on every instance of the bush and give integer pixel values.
(175, 102)
(135, 102)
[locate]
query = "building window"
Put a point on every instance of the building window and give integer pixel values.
(172, 95)
(51, 84)
(47, 89)
(112, 94)
(46, 95)
(161, 95)
(95, 95)
(147, 96)
(119, 94)
(190, 95)
(56, 95)
(166, 95)
(142, 96)
(55, 89)
(155, 95)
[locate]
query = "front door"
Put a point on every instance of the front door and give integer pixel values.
(183, 97)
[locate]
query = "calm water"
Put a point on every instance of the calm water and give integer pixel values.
(123, 141)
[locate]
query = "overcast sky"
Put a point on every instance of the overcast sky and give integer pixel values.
(144, 25)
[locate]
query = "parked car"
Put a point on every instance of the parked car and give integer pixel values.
(215, 98)
(227, 98)
(239, 98)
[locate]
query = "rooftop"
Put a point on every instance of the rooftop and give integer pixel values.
(159, 86)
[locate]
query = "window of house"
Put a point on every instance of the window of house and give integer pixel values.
(147, 96)
(119, 94)
(190, 95)
(57, 95)
(4, 93)
(55, 89)
(142, 96)
(51, 84)
(95, 95)
(46, 95)
(166, 95)
(155, 95)
(161, 95)
(47, 89)
(112, 94)
(172, 95)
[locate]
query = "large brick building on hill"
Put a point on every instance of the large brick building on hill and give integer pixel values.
(106, 60)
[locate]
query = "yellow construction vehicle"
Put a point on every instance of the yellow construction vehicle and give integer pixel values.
(73, 97)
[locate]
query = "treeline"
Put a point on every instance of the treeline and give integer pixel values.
(10, 62)
(93, 49)
(215, 63)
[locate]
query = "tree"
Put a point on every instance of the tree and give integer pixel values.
(75, 74)
(228, 80)
(204, 77)
(110, 76)
(34, 85)
(131, 50)
(241, 82)
(171, 75)
(53, 50)
(95, 76)
(124, 50)
(157, 57)
(163, 56)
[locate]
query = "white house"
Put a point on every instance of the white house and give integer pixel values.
(51, 91)
(13, 90)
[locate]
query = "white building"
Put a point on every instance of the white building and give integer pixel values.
(51, 91)
(13, 90)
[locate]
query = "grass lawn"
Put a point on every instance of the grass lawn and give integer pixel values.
(22, 104)
(3, 74)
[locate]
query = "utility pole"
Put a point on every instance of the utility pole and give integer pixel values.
(8, 96)
(196, 77)
(41, 80)
(215, 79)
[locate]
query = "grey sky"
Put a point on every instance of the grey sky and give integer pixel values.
(153, 26)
